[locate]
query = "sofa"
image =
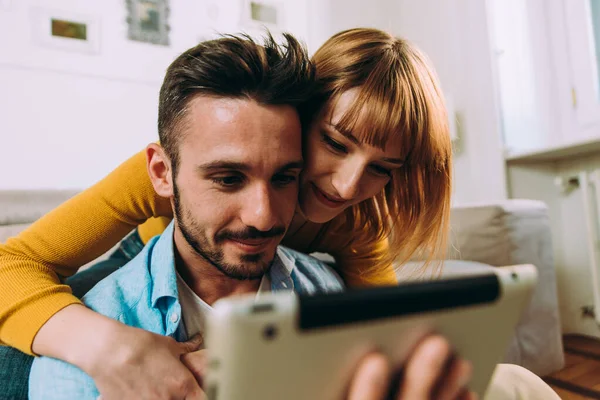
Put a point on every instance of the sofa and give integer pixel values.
(508, 233)
(482, 237)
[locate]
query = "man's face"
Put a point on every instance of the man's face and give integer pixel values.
(236, 186)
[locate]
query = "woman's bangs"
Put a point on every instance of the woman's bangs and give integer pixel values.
(375, 120)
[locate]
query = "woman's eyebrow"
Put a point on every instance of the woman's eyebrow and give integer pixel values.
(347, 135)
(398, 161)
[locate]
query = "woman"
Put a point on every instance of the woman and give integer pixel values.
(376, 189)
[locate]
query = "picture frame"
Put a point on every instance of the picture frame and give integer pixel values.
(257, 14)
(67, 31)
(147, 21)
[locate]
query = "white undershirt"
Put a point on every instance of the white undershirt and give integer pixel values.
(194, 309)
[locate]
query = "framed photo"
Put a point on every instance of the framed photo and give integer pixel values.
(148, 21)
(66, 31)
(263, 13)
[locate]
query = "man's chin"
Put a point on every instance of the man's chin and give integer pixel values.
(247, 272)
(249, 266)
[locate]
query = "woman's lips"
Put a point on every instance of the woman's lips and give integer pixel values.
(326, 199)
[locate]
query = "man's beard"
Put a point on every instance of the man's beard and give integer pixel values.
(195, 236)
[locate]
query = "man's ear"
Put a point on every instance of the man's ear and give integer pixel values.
(159, 170)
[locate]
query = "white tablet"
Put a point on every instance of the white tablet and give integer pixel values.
(285, 346)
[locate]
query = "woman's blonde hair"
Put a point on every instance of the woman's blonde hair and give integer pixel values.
(398, 97)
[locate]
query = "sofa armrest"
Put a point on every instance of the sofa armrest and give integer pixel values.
(26, 206)
(509, 233)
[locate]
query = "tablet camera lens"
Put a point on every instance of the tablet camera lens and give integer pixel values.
(270, 332)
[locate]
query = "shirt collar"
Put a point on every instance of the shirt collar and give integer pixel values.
(162, 267)
(281, 271)
(164, 278)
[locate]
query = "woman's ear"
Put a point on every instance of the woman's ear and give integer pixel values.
(159, 170)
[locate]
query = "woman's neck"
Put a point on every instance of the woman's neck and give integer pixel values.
(297, 223)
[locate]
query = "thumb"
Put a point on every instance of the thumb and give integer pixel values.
(196, 363)
(194, 344)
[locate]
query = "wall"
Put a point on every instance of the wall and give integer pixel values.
(67, 118)
(456, 36)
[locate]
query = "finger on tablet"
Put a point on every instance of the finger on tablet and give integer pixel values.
(371, 379)
(424, 368)
(468, 395)
(454, 380)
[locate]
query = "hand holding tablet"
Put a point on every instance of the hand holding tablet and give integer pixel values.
(297, 347)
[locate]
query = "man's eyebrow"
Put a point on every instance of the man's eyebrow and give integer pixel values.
(239, 166)
(218, 165)
(292, 165)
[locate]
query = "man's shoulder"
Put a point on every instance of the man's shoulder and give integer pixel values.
(311, 275)
(124, 289)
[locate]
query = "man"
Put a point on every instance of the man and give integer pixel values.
(229, 161)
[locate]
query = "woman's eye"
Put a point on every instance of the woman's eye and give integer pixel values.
(333, 144)
(228, 181)
(381, 171)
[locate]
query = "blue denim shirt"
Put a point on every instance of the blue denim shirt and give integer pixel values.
(144, 294)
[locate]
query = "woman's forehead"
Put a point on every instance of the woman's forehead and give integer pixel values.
(339, 105)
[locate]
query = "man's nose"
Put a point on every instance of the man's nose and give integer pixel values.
(259, 209)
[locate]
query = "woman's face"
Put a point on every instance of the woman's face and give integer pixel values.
(340, 170)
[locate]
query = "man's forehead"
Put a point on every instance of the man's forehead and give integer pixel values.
(241, 116)
(244, 155)
(241, 131)
(223, 108)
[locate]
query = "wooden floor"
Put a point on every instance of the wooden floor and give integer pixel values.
(580, 379)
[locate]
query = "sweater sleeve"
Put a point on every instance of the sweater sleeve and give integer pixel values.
(83, 228)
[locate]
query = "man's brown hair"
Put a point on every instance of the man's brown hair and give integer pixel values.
(233, 66)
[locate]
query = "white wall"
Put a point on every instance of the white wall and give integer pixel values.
(456, 36)
(66, 119)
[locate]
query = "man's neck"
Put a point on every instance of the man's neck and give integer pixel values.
(202, 277)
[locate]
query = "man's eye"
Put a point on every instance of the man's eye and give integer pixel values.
(284, 180)
(228, 181)
(333, 144)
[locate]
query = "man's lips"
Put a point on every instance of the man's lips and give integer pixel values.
(329, 201)
(252, 245)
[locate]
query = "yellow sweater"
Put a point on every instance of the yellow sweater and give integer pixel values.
(33, 264)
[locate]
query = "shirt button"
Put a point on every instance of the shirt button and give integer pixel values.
(174, 317)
